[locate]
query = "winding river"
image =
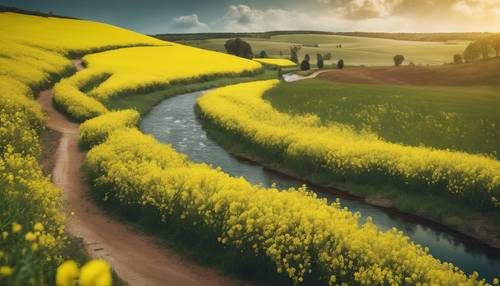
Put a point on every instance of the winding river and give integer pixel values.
(174, 122)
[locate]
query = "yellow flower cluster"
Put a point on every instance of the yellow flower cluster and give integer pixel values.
(298, 232)
(344, 154)
(68, 36)
(26, 195)
(94, 131)
(141, 69)
(69, 97)
(96, 272)
(284, 63)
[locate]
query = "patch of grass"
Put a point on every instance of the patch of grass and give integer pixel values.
(458, 118)
(354, 51)
(144, 102)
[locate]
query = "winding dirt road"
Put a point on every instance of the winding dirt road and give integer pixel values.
(138, 259)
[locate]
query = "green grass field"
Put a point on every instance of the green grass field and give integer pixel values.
(458, 118)
(354, 51)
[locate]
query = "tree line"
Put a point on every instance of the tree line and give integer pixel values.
(479, 49)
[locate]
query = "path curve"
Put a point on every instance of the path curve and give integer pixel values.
(137, 258)
(290, 77)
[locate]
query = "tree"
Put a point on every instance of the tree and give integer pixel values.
(294, 53)
(304, 65)
(484, 47)
(472, 52)
(263, 54)
(239, 48)
(398, 60)
(319, 63)
(340, 64)
(327, 56)
(495, 43)
(458, 59)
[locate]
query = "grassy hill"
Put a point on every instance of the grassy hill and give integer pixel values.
(354, 51)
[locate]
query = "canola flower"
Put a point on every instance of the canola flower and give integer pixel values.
(95, 131)
(296, 231)
(284, 63)
(96, 272)
(69, 97)
(347, 155)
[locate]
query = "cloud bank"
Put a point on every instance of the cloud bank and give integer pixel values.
(357, 15)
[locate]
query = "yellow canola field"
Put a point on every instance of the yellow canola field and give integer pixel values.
(33, 54)
(345, 154)
(31, 216)
(276, 62)
(140, 69)
(68, 36)
(293, 229)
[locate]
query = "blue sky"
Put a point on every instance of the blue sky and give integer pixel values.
(157, 16)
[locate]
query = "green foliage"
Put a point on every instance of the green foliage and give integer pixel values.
(294, 53)
(458, 59)
(239, 48)
(340, 64)
(398, 60)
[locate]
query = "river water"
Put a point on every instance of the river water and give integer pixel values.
(174, 121)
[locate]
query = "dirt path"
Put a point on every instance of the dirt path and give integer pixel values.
(137, 258)
(290, 77)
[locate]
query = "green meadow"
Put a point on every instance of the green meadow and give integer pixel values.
(354, 50)
(444, 117)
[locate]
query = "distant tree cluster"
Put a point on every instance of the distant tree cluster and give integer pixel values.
(239, 48)
(479, 49)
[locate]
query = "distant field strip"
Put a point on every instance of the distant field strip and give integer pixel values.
(344, 154)
(354, 51)
(276, 62)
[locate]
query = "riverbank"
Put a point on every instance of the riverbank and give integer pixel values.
(437, 208)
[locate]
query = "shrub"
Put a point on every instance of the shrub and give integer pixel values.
(340, 64)
(239, 48)
(398, 60)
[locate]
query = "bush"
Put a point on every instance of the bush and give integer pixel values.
(398, 60)
(340, 64)
(320, 63)
(458, 59)
(239, 48)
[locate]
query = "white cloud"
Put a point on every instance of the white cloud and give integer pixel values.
(477, 6)
(190, 23)
(368, 16)
(366, 9)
